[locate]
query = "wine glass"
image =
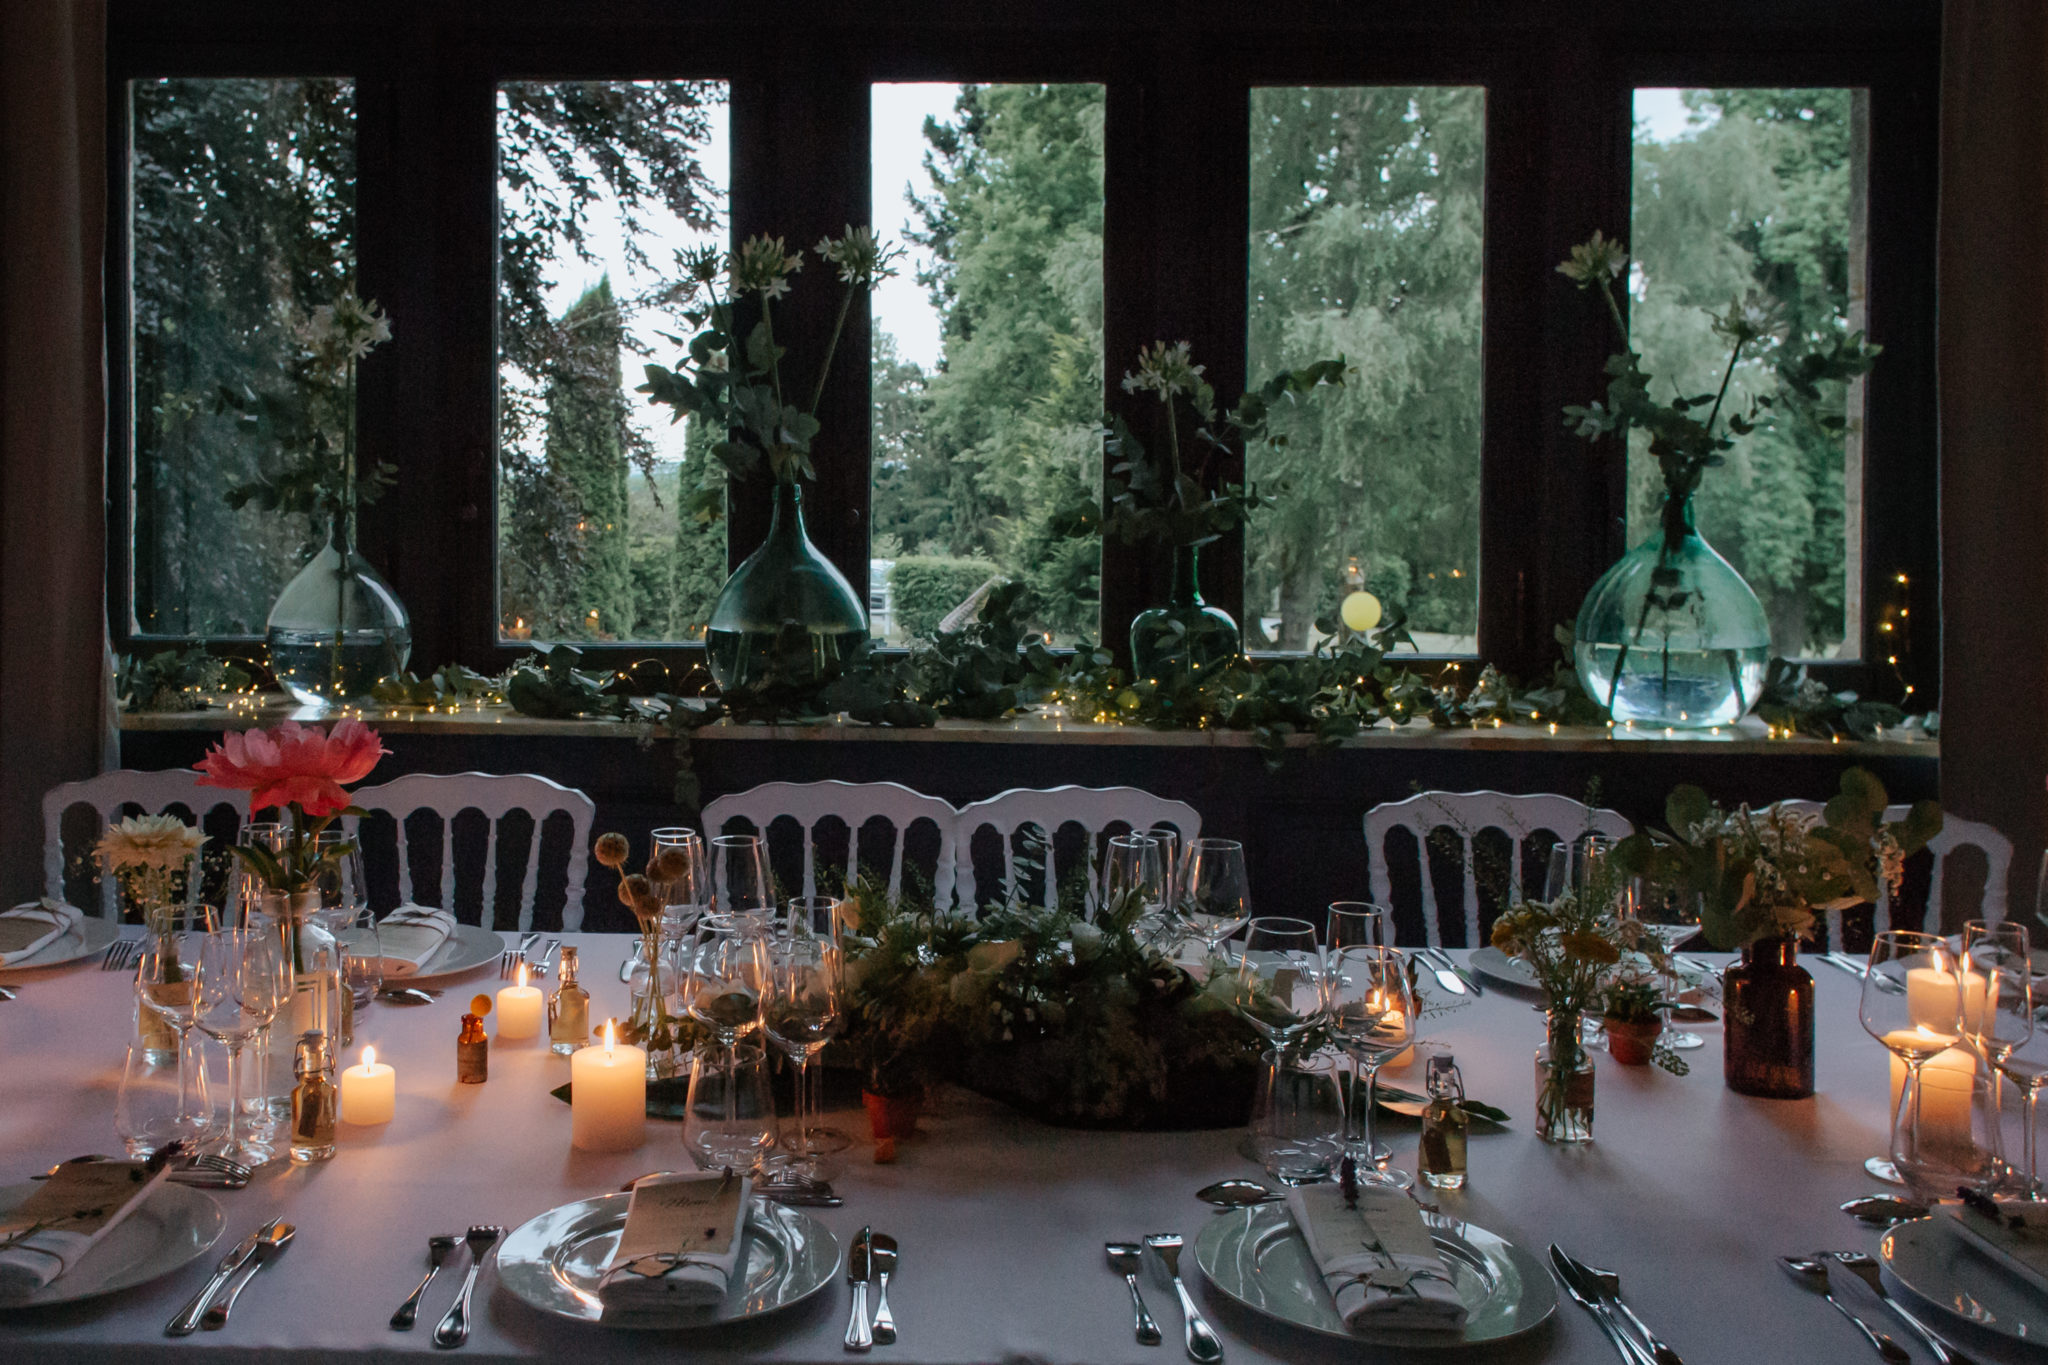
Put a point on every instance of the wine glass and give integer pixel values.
(676, 871)
(803, 1008)
(1671, 917)
(742, 887)
(1134, 866)
(1571, 863)
(1360, 924)
(340, 879)
(238, 987)
(1997, 999)
(1279, 979)
(1215, 897)
(1912, 1003)
(164, 986)
(1372, 1007)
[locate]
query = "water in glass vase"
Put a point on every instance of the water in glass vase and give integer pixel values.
(1675, 687)
(337, 627)
(787, 616)
(741, 658)
(316, 672)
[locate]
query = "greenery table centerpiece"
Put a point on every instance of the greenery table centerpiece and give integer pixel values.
(1761, 876)
(787, 617)
(1171, 501)
(1672, 635)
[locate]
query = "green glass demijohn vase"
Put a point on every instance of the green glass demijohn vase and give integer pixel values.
(337, 627)
(787, 615)
(1186, 633)
(1671, 636)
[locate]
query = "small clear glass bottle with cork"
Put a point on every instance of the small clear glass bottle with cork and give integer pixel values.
(1445, 1126)
(314, 1099)
(568, 1010)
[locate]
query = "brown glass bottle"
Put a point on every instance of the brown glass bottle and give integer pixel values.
(1768, 1029)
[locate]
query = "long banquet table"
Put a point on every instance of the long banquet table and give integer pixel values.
(1690, 1190)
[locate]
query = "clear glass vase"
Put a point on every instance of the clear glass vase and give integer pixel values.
(337, 627)
(1187, 633)
(787, 617)
(1671, 636)
(1564, 1082)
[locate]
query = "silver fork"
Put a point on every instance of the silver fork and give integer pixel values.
(121, 954)
(1864, 1268)
(454, 1328)
(1203, 1346)
(509, 961)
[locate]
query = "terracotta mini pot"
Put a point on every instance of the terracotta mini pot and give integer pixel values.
(1631, 1043)
(892, 1116)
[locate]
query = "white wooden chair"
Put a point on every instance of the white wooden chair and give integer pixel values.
(1094, 809)
(1465, 814)
(856, 803)
(494, 796)
(111, 793)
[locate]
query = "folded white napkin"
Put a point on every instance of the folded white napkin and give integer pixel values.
(1377, 1259)
(30, 927)
(77, 1206)
(409, 937)
(681, 1243)
(2017, 1239)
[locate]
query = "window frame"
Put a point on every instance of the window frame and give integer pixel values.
(1559, 90)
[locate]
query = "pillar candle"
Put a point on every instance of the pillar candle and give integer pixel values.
(608, 1096)
(1947, 1082)
(1931, 996)
(520, 1009)
(369, 1092)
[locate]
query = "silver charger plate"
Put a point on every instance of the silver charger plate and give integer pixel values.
(89, 939)
(1947, 1275)
(175, 1226)
(1492, 962)
(554, 1262)
(1256, 1257)
(468, 948)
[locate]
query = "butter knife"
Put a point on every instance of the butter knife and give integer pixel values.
(1471, 981)
(1445, 977)
(859, 1336)
(1587, 1298)
(187, 1321)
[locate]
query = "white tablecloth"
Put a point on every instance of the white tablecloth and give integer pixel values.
(1690, 1191)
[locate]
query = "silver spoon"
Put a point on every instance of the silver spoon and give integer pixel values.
(274, 1240)
(440, 1247)
(1884, 1210)
(1814, 1275)
(1235, 1194)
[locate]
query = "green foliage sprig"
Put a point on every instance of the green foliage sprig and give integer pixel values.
(1765, 873)
(175, 679)
(1171, 502)
(1797, 703)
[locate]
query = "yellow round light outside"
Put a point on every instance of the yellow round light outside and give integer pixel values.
(1361, 612)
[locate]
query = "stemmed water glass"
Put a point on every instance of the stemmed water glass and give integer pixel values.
(742, 887)
(1998, 1006)
(1371, 1005)
(1359, 924)
(238, 987)
(164, 985)
(1279, 980)
(1671, 917)
(1912, 1003)
(803, 1008)
(1215, 898)
(1571, 863)
(1134, 866)
(676, 872)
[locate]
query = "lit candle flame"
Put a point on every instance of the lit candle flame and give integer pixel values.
(369, 1058)
(611, 1033)
(522, 975)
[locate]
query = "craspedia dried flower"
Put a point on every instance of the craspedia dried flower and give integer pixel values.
(612, 850)
(668, 865)
(634, 888)
(647, 909)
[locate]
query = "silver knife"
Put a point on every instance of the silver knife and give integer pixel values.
(526, 942)
(187, 1321)
(859, 1336)
(547, 956)
(1583, 1294)
(1445, 977)
(1471, 981)
(1606, 1286)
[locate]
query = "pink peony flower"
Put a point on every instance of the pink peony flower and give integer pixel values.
(294, 764)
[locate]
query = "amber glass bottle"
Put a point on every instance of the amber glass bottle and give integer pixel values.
(1768, 998)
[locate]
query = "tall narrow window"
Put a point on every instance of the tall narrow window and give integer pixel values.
(1365, 243)
(242, 197)
(1758, 195)
(609, 516)
(988, 353)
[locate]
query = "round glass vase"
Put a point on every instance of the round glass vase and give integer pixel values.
(1564, 1082)
(1187, 634)
(787, 617)
(650, 1026)
(337, 627)
(1767, 1003)
(1672, 636)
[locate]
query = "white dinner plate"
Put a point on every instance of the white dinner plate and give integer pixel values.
(1950, 1276)
(173, 1228)
(90, 938)
(1512, 971)
(1256, 1257)
(468, 948)
(554, 1262)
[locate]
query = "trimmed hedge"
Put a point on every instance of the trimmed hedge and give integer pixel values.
(923, 588)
